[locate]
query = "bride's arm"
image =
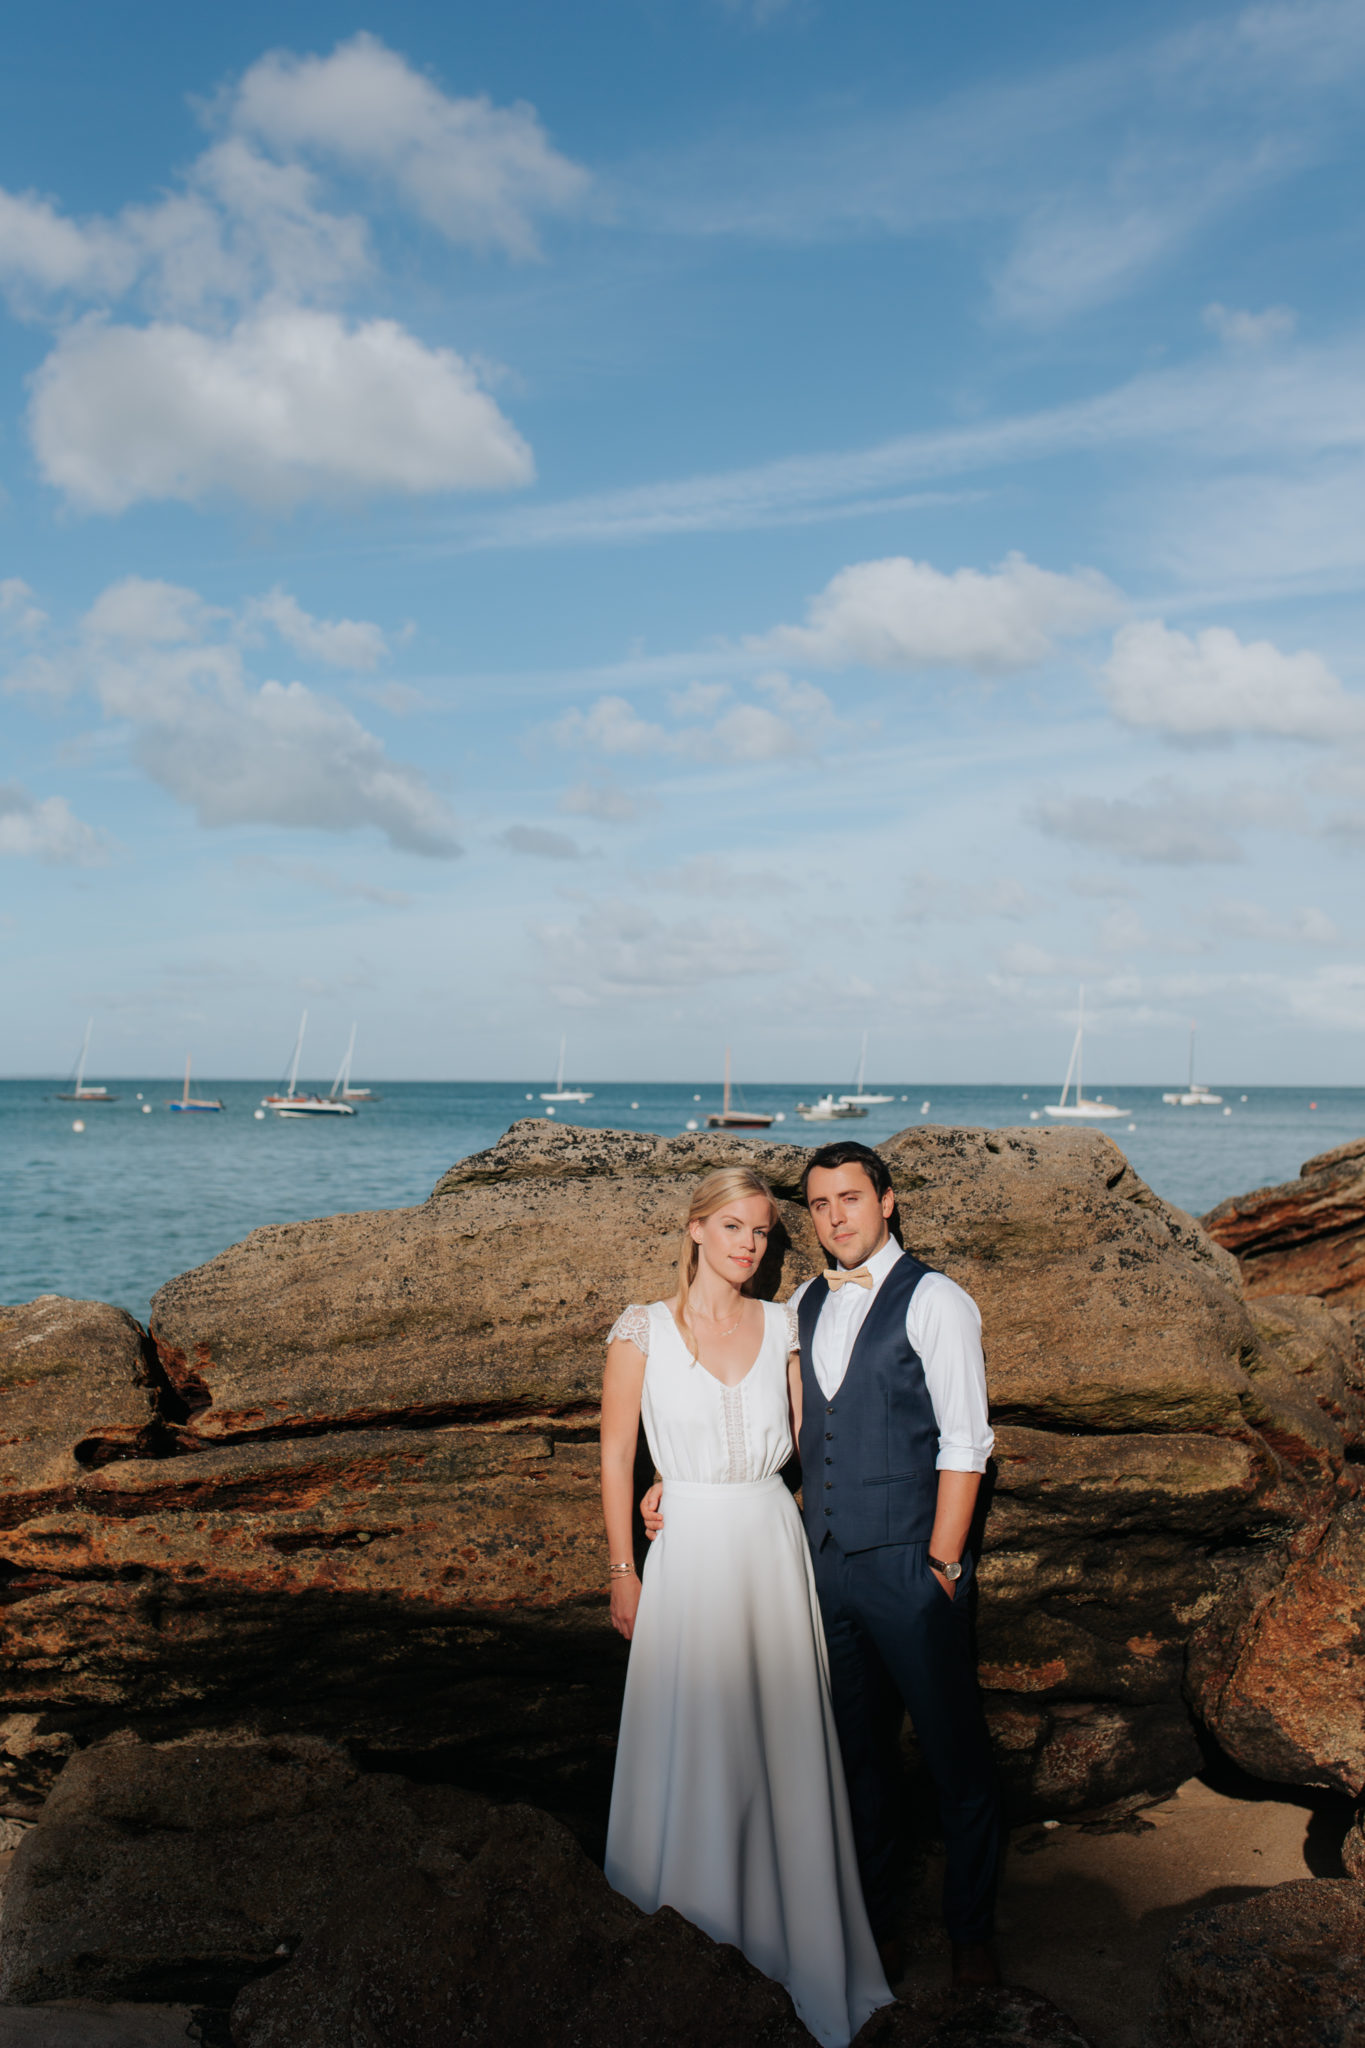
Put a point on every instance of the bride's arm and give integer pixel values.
(622, 1384)
(794, 1392)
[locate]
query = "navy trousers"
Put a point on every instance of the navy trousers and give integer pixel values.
(896, 1641)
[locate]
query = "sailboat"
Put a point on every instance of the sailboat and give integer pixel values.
(825, 1110)
(559, 1093)
(860, 1099)
(1195, 1095)
(291, 1103)
(188, 1101)
(78, 1092)
(1079, 1107)
(727, 1119)
(342, 1085)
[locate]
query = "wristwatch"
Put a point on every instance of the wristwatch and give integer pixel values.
(949, 1571)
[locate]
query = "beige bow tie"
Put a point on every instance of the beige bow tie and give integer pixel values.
(860, 1277)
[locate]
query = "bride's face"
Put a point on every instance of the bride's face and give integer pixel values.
(734, 1239)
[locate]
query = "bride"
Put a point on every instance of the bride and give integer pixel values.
(728, 1802)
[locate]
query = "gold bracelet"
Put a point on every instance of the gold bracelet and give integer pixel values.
(619, 1571)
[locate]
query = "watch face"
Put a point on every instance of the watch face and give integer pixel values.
(952, 1571)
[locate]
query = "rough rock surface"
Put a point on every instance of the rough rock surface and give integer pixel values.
(1353, 1848)
(349, 1907)
(1306, 1236)
(1282, 1970)
(364, 1495)
(1007, 2018)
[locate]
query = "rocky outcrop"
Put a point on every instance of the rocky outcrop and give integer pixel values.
(1306, 1236)
(1285, 1969)
(363, 1498)
(327, 1905)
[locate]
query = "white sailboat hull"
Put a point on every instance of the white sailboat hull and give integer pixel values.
(1083, 1111)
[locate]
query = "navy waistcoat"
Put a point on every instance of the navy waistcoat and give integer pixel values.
(869, 1457)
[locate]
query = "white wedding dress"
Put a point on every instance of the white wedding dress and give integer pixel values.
(728, 1802)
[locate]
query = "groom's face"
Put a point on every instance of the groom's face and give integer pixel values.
(850, 1217)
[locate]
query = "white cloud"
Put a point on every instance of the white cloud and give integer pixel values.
(711, 874)
(929, 896)
(697, 700)
(1214, 683)
(278, 755)
(617, 949)
(171, 668)
(1167, 826)
(286, 405)
(1241, 329)
(612, 726)
(1244, 920)
(313, 876)
(745, 733)
(18, 612)
(902, 614)
(599, 800)
(540, 843)
(46, 829)
(478, 173)
(343, 643)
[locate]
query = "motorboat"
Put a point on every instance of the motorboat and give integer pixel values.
(727, 1118)
(827, 1110)
(79, 1090)
(289, 1103)
(1079, 1108)
(859, 1096)
(193, 1102)
(559, 1093)
(1194, 1095)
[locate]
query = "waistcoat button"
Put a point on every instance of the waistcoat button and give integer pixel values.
(828, 1484)
(830, 1409)
(829, 1461)
(829, 1436)
(829, 1511)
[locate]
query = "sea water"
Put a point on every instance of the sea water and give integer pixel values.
(112, 1211)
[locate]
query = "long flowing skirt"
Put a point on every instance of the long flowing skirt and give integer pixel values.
(728, 1802)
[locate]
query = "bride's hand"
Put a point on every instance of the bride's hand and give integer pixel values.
(649, 1509)
(625, 1598)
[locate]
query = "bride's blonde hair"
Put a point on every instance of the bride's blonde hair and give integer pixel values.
(726, 1184)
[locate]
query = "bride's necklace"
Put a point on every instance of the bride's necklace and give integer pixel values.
(734, 1325)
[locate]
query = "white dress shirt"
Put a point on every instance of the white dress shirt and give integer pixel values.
(944, 1325)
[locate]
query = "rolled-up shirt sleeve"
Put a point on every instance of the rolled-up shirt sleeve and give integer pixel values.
(944, 1325)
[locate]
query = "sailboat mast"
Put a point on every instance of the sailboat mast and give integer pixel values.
(862, 1066)
(298, 1055)
(1080, 1046)
(559, 1071)
(343, 1079)
(185, 1098)
(1192, 1030)
(80, 1064)
(725, 1100)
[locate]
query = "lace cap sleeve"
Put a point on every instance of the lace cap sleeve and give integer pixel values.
(633, 1323)
(793, 1330)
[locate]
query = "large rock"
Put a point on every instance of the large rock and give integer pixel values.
(75, 1384)
(1285, 1969)
(1280, 1671)
(335, 1906)
(1306, 1236)
(372, 1504)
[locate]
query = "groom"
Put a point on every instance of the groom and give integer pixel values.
(894, 1440)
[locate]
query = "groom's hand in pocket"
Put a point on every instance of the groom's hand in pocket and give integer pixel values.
(649, 1510)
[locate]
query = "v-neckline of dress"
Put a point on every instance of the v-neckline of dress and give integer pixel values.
(726, 1386)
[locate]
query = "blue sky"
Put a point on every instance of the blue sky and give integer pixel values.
(678, 522)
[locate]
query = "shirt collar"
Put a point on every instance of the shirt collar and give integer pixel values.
(880, 1263)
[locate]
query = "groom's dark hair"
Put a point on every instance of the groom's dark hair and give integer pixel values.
(848, 1152)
